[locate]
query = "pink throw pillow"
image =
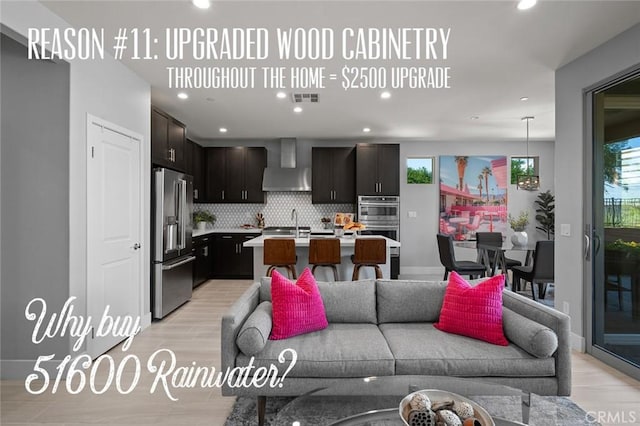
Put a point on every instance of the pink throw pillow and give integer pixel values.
(297, 307)
(473, 311)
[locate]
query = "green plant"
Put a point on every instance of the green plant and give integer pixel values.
(630, 247)
(203, 216)
(520, 223)
(545, 215)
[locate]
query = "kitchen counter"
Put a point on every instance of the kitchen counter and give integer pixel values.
(345, 269)
(198, 233)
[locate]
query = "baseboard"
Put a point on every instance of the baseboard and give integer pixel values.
(578, 342)
(622, 339)
(422, 270)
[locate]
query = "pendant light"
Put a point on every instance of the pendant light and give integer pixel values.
(528, 181)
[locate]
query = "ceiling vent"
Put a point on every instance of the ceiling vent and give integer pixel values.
(305, 97)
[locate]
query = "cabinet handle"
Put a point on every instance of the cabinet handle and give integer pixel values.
(195, 194)
(227, 237)
(380, 187)
(223, 194)
(205, 251)
(205, 240)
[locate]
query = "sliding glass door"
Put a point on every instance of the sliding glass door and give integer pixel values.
(615, 219)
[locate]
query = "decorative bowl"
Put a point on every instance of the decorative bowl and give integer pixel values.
(438, 396)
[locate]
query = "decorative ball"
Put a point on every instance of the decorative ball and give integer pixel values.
(462, 409)
(422, 418)
(449, 418)
(420, 402)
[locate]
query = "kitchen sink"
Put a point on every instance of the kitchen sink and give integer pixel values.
(285, 231)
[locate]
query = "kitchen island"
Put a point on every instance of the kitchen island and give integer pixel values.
(345, 269)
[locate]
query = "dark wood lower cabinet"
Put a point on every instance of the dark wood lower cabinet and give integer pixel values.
(231, 259)
(202, 251)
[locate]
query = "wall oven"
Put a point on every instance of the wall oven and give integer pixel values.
(381, 216)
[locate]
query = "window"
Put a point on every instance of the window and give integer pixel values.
(524, 166)
(420, 170)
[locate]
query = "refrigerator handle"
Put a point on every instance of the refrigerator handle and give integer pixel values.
(182, 201)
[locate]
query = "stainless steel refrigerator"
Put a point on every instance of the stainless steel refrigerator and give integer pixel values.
(172, 277)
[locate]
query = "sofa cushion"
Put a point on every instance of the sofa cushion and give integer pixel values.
(340, 350)
(420, 348)
(297, 307)
(473, 311)
(409, 301)
(256, 329)
(535, 338)
(344, 301)
(349, 301)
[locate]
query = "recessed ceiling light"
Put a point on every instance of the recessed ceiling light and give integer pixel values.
(524, 98)
(223, 130)
(281, 95)
(385, 95)
(475, 117)
(526, 4)
(297, 109)
(183, 95)
(201, 4)
(366, 129)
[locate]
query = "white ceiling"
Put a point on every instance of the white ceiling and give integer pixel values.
(497, 54)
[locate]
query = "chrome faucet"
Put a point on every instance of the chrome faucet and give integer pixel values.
(294, 215)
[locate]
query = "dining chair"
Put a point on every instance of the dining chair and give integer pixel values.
(495, 238)
(541, 272)
(448, 260)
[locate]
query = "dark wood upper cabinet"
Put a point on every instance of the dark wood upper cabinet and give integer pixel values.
(333, 175)
(378, 169)
(168, 139)
(194, 165)
(234, 174)
(197, 170)
(215, 172)
(254, 163)
(159, 138)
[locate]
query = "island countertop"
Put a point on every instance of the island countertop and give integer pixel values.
(345, 241)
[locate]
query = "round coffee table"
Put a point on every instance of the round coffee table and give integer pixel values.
(375, 400)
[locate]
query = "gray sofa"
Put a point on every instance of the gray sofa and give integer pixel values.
(385, 327)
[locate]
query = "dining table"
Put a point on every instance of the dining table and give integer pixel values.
(499, 258)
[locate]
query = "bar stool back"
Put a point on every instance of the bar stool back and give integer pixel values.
(280, 253)
(324, 252)
(369, 252)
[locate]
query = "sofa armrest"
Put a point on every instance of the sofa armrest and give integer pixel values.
(232, 322)
(558, 322)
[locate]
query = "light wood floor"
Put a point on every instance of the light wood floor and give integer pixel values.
(193, 333)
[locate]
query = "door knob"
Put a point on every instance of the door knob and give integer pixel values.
(136, 246)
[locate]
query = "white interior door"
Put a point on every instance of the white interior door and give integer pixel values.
(114, 257)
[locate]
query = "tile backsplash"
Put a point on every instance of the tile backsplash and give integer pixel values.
(276, 211)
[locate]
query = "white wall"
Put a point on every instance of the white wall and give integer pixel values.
(613, 57)
(108, 90)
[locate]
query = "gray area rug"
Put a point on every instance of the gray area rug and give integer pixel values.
(545, 411)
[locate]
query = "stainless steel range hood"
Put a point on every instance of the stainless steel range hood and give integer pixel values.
(287, 177)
